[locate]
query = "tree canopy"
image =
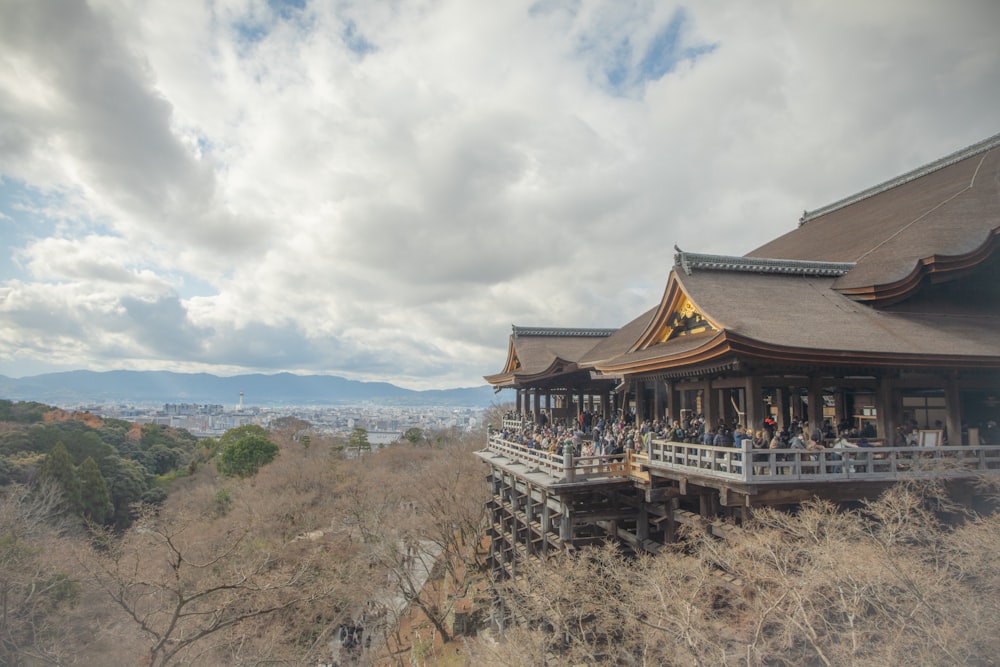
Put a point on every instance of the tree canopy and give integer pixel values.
(244, 456)
(58, 470)
(359, 440)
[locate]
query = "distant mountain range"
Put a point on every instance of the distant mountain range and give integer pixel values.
(74, 388)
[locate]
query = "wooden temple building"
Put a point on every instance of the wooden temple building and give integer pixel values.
(881, 309)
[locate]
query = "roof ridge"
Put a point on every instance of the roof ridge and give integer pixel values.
(560, 331)
(690, 260)
(941, 163)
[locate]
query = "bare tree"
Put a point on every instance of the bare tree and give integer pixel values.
(886, 584)
(36, 589)
(182, 586)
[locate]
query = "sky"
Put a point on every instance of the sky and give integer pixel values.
(380, 189)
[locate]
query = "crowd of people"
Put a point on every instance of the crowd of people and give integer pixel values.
(593, 435)
(588, 435)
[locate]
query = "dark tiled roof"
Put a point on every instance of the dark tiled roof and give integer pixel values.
(541, 349)
(620, 342)
(947, 161)
(806, 313)
(899, 229)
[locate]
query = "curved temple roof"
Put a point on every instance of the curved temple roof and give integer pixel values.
(797, 297)
(536, 353)
(940, 219)
(904, 274)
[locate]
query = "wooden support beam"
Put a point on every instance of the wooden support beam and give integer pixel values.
(660, 494)
(670, 530)
(731, 498)
(642, 524)
(584, 518)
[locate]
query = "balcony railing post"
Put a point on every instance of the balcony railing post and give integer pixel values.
(747, 458)
(569, 472)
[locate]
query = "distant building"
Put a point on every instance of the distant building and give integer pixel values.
(384, 437)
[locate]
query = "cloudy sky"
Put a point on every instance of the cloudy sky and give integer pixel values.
(379, 189)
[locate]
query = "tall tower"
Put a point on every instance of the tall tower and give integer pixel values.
(241, 401)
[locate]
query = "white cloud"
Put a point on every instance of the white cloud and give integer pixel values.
(379, 190)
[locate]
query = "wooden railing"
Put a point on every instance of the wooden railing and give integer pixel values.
(513, 424)
(862, 463)
(564, 467)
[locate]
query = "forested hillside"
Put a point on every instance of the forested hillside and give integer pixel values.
(286, 547)
(269, 560)
(133, 462)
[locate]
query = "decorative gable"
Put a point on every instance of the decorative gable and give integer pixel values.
(515, 363)
(684, 320)
(677, 316)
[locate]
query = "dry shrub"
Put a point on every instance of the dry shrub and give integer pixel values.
(886, 584)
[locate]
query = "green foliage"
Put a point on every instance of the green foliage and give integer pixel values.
(127, 481)
(162, 449)
(240, 432)
(23, 412)
(23, 467)
(7, 472)
(176, 438)
(162, 459)
(15, 441)
(58, 469)
(95, 499)
(61, 589)
(154, 496)
(359, 440)
(28, 454)
(221, 502)
(244, 457)
(208, 448)
(81, 441)
(414, 435)
(114, 432)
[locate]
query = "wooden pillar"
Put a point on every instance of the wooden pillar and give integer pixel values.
(566, 525)
(529, 516)
(885, 408)
(670, 526)
(605, 404)
(705, 504)
(794, 404)
(781, 394)
(546, 522)
(815, 403)
(640, 400)
(657, 412)
(754, 393)
(536, 401)
(953, 406)
(840, 406)
(674, 401)
(642, 524)
(710, 405)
